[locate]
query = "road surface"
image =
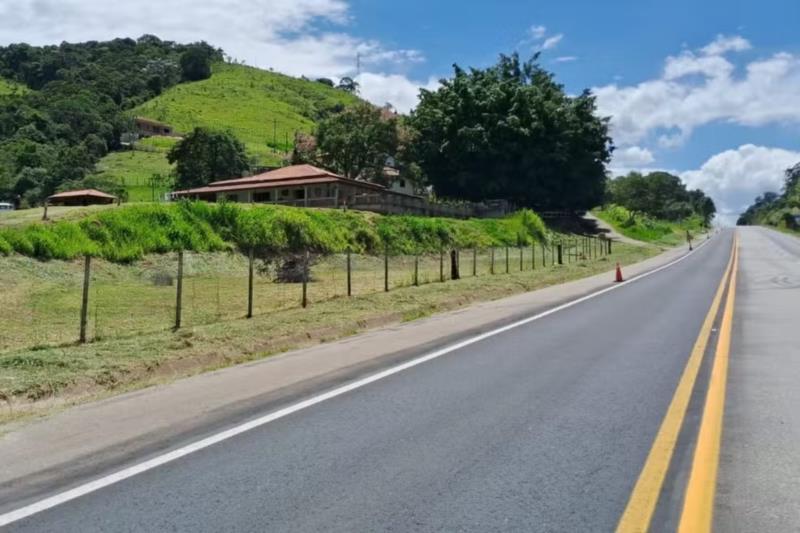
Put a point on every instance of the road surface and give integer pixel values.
(546, 426)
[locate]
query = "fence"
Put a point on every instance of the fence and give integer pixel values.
(61, 302)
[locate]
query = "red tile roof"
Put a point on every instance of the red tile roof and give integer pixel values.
(94, 193)
(294, 175)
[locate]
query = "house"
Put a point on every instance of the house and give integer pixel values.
(297, 185)
(310, 186)
(146, 127)
(81, 197)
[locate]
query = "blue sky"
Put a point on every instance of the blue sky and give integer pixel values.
(709, 89)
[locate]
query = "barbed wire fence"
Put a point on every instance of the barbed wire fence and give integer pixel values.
(98, 300)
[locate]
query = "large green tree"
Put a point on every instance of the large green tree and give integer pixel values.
(207, 155)
(510, 131)
(357, 142)
(660, 195)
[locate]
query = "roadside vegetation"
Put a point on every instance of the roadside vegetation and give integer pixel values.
(781, 211)
(45, 297)
(655, 208)
(128, 233)
(647, 229)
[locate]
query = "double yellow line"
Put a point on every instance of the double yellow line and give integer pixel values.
(699, 497)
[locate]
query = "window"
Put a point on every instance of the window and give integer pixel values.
(262, 196)
(285, 193)
(402, 183)
(318, 192)
(299, 194)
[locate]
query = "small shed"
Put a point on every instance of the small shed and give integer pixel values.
(147, 127)
(81, 197)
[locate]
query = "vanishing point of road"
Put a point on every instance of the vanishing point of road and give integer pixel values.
(668, 403)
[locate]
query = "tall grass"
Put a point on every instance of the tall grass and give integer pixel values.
(644, 228)
(127, 233)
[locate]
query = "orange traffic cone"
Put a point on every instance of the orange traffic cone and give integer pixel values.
(619, 275)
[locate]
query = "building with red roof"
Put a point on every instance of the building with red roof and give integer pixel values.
(81, 197)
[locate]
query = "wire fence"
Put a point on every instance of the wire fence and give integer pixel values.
(64, 302)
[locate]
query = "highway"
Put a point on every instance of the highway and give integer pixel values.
(589, 418)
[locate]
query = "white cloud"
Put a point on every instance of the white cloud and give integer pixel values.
(734, 178)
(397, 90)
(537, 32)
(565, 59)
(632, 157)
(723, 44)
(552, 42)
(290, 36)
(700, 88)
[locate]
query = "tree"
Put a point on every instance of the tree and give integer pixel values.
(357, 142)
(659, 195)
(206, 155)
(510, 131)
(195, 64)
(325, 81)
(348, 84)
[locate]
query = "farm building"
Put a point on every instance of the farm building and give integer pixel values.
(146, 127)
(81, 197)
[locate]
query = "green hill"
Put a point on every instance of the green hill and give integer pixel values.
(263, 109)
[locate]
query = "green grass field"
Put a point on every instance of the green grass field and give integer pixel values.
(130, 313)
(133, 169)
(646, 229)
(263, 109)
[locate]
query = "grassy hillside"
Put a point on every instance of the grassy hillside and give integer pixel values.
(133, 169)
(128, 233)
(264, 109)
(647, 229)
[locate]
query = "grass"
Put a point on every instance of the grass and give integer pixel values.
(647, 229)
(133, 170)
(263, 109)
(43, 301)
(128, 233)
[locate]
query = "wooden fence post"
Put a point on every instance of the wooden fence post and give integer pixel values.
(533, 256)
(179, 292)
(507, 269)
(349, 275)
(455, 272)
(491, 264)
(560, 258)
(544, 255)
(521, 259)
(304, 301)
(87, 268)
(441, 265)
(474, 262)
(251, 259)
(386, 269)
(416, 271)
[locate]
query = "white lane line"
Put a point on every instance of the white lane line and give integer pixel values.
(125, 473)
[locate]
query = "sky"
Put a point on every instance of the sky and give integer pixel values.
(708, 90)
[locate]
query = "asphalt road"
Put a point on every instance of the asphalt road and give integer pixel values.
(758, 487)
(544, 427)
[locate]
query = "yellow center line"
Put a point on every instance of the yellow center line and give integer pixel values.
(698, 505)
(642, 503)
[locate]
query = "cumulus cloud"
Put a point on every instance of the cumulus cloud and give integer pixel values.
(632, 157)
(394, 89)
(698, 88)
(537, 37)
(734, 178)
(538, 32)
(723, 44)
(290, 36)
